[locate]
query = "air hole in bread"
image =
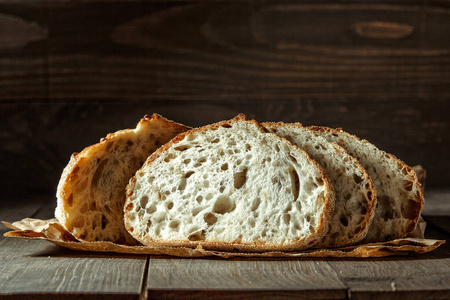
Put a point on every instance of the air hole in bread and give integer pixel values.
(293, 159)
(343, 221)
(215, 141)
(170, 205)
(226, 125)
(199, 198)
(104, 221)
(320, 181)
(187, 161)
(387, 212)
(98, 173)
(188, 174)
(169, 157)
(150, 179)
(264, 233)
(181, 148)
(408, 185)
(210, 218)
(408, 209)
(287, 218)
(221, 189)
(174, 224)
(197, 236)
(296, 225)
(224, 167)
(252, 223)
(363, 210)
(93, 206)
(240, 178)
(151, 209)
(182, 185)
(357, 179)
(277, 148)
(70, 200)
(223, 205)
(295, 183)
(78, 221)
(288, 208)
(255, 204)
(143, 202)
(209, 196)
(248, 147)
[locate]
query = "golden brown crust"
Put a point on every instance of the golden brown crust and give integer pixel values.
(246, 247)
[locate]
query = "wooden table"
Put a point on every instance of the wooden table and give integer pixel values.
(39, 269)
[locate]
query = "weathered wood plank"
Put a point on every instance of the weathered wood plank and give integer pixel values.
(40, 269)
(195, 50)
(425, 276)
(205, 278)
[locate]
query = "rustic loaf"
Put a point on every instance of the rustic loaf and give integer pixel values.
(399, 196)
(91, 191)
(355, 193)
(229, 185)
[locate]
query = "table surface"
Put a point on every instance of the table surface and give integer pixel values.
(40, 269)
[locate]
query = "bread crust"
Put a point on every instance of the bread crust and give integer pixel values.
(79, 164)
(414, 202)
(364, 224)
(257, 246)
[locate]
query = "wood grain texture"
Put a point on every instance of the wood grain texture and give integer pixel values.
(423, 276)
(240, 50)
(175, 278)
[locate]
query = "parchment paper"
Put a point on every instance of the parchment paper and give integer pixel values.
(53, 231)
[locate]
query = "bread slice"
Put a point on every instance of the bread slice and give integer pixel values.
(399, 196)
(229, 185)
(91, 191)
(355, 192)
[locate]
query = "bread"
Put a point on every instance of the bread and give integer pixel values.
(399, 196)
(229, 185)
(355, 192)
(91, 191)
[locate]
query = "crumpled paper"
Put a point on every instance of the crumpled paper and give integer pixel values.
(54, 232)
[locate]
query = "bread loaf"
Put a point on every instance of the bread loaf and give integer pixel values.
(355, 192)
(399, 196)
(229, 185)
(91, 191)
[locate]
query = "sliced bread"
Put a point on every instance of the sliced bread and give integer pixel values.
(91, 191)
(399, 196)
(355, 192)
(229, 185)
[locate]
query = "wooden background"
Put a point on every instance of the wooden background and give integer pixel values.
(72, 71)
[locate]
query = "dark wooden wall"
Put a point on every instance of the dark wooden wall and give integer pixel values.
(72, 71)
